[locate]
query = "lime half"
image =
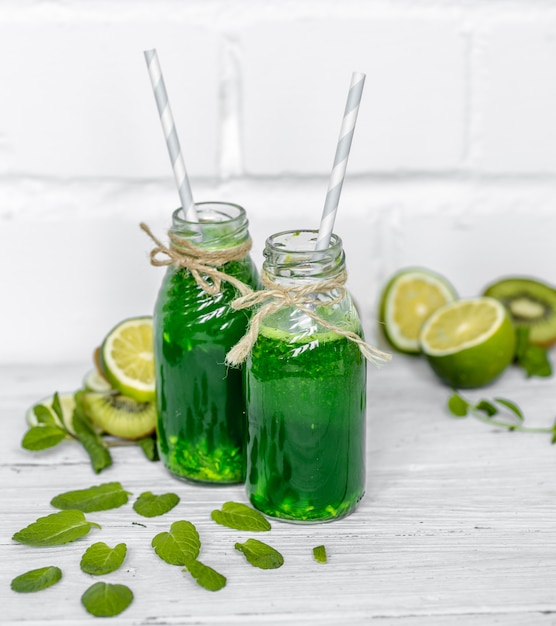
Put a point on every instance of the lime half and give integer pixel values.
(408, 300)
(127, 359)
(469, 343)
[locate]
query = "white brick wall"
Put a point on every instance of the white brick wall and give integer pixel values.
(453, 164)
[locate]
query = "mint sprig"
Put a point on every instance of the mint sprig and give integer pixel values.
(51, 429)
(532, 358)
(489, 411)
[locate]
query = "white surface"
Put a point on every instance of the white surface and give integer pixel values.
(456, 528)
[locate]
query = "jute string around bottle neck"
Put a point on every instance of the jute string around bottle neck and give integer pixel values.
(199, 261)
(302, 297)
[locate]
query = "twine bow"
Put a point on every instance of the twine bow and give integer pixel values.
(276, 296)
(200, 262)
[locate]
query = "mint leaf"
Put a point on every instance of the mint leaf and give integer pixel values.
(240, 517)
(55, 529)
(36, 579)
(57, 407)
(99, 498)
(458, 406)
(535, 362)
(89, 438)
(44, 415)
(486, 407)
(106, 599)
(532, 358)
(149, 505)
(319, 554)
(205, 576)
(42, 437)
(100, 559)
(260, 554)
(148, 445)
(179, 546)
(512, 406)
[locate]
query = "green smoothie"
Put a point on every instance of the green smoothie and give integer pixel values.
(306, 425)
(200, 405)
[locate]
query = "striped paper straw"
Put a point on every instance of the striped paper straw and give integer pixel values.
(171, 136)
(340, 161)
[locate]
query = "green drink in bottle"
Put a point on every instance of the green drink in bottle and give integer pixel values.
(305, 386)
(201, 410)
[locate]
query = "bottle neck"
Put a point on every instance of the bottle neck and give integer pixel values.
(221, 225)
(290, 258)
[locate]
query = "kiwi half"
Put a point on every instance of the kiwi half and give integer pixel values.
(119, 415)
(530, 303)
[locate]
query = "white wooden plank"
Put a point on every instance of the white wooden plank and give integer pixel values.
(457, 526)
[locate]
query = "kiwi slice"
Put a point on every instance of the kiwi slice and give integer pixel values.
(119, 415)
(531, 303)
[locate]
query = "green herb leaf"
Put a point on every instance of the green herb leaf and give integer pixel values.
(42, 437)
(99, 498)
(36, 579)
(150, 505)
(89, 438)
(106, 599)
(486, 407)
(512, 406)
(55, 529)
(148, 445)
(100, 559)
(205, 576)
(44, 415)
(319, 554)
(458, 406)
(532, 358)
(179, 546)
(260, 554)
(240, 517)
(57, 407)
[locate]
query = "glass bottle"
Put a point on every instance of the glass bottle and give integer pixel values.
(305, 390)
(200, 404)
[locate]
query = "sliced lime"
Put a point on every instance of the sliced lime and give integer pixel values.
(408, 299)
(469, 343)
(127, 360)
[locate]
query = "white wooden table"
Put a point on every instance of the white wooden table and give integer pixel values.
(458, 525)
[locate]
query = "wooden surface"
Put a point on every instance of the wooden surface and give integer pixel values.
(458, 525)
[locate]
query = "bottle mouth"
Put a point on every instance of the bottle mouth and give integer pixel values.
(292, 254)
(302, 242)
(219, 225)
